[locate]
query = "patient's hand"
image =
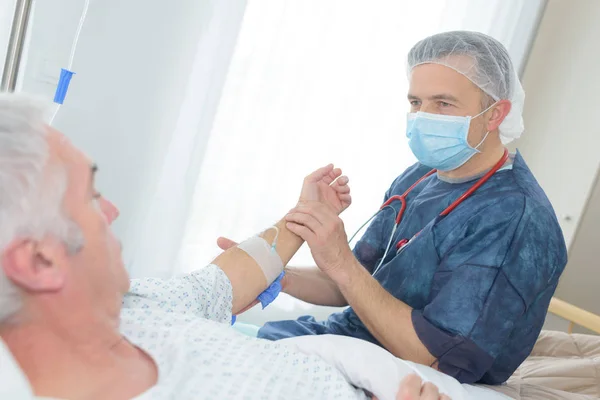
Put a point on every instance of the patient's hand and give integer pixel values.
(327, 185)
(412, 388)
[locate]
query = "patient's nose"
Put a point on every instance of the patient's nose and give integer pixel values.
(110, 211)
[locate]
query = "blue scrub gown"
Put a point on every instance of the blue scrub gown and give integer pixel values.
(479, 280)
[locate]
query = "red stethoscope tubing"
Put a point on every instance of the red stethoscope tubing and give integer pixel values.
(402, 198)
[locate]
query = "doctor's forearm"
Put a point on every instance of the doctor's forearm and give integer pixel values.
(246, 277)
(311, 285)
(387, 318)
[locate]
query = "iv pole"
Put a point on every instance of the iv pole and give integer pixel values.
(15, 45)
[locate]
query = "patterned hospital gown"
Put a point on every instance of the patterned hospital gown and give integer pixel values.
(184, 325)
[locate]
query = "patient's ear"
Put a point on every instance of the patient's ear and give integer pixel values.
(35, 266)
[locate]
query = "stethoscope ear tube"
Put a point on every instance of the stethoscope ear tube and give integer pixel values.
(387, 248)
(365, 224)
(402, 198)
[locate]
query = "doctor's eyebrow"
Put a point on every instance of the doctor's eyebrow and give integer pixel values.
(442, 96)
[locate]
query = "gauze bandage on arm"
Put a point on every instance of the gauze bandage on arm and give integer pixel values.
(264, 255)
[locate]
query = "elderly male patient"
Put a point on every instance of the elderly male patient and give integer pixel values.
(79, 330)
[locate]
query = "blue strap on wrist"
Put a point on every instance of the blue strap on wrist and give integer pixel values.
(271, 293)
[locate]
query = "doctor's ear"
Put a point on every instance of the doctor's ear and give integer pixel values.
(35, 266)
(499, 111)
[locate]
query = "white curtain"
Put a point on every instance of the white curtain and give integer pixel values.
(164, 217)
(313, 82)
(512, 22)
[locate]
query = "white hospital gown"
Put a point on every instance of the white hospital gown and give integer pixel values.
(184, 325)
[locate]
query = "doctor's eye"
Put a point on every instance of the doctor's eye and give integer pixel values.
(443, 104)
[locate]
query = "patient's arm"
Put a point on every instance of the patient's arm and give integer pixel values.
(246, 277)
(308, 284)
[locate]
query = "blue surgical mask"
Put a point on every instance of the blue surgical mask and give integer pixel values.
(440, 141)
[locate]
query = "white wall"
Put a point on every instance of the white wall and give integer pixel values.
(132, 66)
(561, 81)
(581, 280)
(562, 136)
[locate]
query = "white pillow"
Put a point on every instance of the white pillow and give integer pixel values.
(370, 367)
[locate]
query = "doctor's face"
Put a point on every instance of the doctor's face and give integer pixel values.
(438, 89)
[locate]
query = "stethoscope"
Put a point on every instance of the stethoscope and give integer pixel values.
(402, 199)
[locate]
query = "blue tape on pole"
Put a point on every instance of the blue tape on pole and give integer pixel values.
(63, 85)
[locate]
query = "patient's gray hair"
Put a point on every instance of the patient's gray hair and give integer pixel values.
(31, 188)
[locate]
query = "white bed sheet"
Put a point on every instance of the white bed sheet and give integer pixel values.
(375, 369)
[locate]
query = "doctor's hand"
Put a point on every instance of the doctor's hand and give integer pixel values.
(327, 185)
(412, 388)
(320, 226)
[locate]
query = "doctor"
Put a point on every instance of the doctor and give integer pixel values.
(466, 275)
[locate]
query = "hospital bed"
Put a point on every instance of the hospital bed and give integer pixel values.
(575, 315)
(562, 365)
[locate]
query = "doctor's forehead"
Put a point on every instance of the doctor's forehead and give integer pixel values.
(435, 81)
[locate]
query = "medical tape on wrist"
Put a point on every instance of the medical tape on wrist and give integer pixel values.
(265, 256)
